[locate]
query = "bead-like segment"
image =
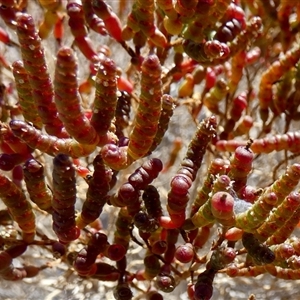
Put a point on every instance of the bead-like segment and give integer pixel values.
(8, 161)
(37, 188)
(39, 78)
(240, 167)
(64, 198)
(234, 234)
(105, 101)
(173, 26)
(159, 247)
(289, 141)
(222, 206)
(51, 145)
(97, 191)
(185, 253)
(19, 207)
(178, 195)
(76, 18)
(28, 106)
(149, 110)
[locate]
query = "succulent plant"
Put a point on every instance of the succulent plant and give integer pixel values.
(141, 143)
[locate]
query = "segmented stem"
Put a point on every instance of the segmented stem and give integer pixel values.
(217, 167)
(37, 188)
(164, 119)
(149, 110)
(67, 99)
(105, 101)
(278, 217)
(96, 194)
(281, 235)
(19, 207)
(51, 145)
(39, 78)
(64, 198)
(204, 215)
(123, 225)
(26, 100)
(182, 181)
